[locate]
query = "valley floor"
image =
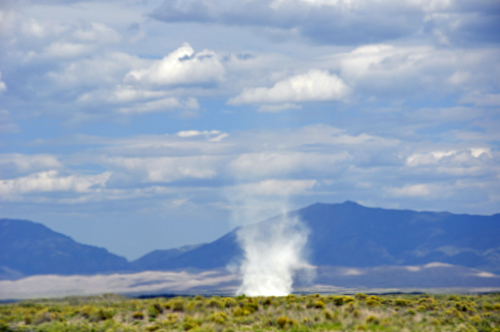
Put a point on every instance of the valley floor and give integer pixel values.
(294, 313)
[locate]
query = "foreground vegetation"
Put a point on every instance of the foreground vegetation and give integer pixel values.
(360, 312)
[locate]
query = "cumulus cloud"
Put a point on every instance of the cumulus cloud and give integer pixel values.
(383, 71)
(182, 66)
(100, 70)
(51, 181)
(315, 85)
(346, 22)
(167, 169)
(276, 163)
(16, 162)
(274, 187)
(96, 32)
(452, 157)
(67, 50)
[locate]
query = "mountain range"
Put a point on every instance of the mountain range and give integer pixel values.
(340, 235)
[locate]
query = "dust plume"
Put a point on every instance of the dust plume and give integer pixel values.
(273, 252)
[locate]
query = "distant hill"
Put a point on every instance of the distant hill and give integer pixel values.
(353, 235)
(219, 253)
(28, 248)
(156, 260)
(345, 235)
(349, 234)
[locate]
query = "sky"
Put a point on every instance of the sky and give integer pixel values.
(137, 125)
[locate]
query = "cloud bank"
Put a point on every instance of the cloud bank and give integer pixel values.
(315, 85)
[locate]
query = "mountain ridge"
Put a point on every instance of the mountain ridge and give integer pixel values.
(28, 248)
(345, 234)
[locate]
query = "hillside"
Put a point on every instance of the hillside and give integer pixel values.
(352, 235)
(28, 248)
(347, 234)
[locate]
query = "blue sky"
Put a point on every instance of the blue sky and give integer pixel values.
(138, 125)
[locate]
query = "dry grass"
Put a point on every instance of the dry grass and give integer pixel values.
(111, 313)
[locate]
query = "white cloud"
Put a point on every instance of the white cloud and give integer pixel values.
(478, 152)
(274, 187)
(30, 163)
(3, 86)
(415, 190)
(165, 104)
(480, 99)
(96, 32)
(194, 133)
(51, 181)
(67, 50)
(471, 161)
(182, 66)
(345, 22)
(97, 71)
(214, 136)
(434, 157)
(167, 169)
(388, 71)
(353, 5)
(266, 164)
(278, 108)
(315, 85)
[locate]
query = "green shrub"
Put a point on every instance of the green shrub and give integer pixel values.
(153, 328)
(251, 306)
(373, 301)
(402, 302)
(172, 318)
(5, 328)
(240, 312)
(319, 305)
(138, 315)
(338, 300)
(348, 299)
(330, 315)
(465, 328)
(219, 317)
(229, 302)
(101, 314)
(372, 319)
(267, 301)
(421, 308)
(154, 310)
(190, 323)
(178, 305)
(285, 322)
(42, 317)
(215, 303)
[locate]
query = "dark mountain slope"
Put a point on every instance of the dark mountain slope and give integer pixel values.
(219, 253)
(350, 234)
(158, 258)
(30, 248)
(346, 234)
